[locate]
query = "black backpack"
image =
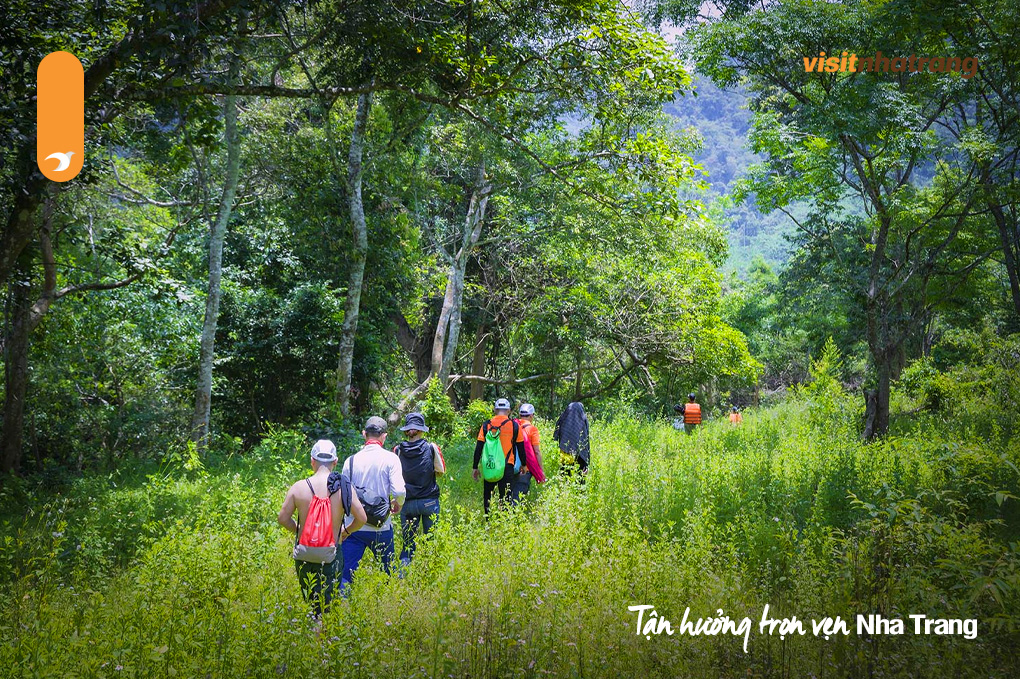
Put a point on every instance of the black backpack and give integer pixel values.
(377, 507)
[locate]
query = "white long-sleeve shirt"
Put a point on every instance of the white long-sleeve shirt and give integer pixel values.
(377, 470)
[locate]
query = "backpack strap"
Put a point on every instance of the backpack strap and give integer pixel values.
(310, 488)
(297, 533)
(513, 442)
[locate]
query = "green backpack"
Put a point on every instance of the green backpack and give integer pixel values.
(493, 457)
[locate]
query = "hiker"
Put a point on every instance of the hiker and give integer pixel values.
(572, 434)
(532, 467)
(421, 462)
(315, 557)
(379, 483)
(502, 441)
(678, 421)
(692, 414)
(735, 417)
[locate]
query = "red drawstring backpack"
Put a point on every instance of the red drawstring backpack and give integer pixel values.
(316, 543)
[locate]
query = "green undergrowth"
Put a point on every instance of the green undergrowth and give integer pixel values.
(184, 572)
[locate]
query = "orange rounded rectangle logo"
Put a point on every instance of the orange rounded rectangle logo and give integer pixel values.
(60, 116)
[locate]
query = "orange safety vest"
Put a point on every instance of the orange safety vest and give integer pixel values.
(692, 413)
(736, 418)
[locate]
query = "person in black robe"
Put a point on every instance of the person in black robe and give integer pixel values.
(572, 434)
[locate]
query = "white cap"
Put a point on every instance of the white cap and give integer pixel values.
(527, 409)
(502, 404)
(324, 451)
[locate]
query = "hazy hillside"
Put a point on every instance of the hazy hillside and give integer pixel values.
(721, 117)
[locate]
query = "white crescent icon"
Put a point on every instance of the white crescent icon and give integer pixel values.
(64, 158)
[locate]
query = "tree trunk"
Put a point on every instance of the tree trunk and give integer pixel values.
(203, 391)
(877, 420)
(883, 353)
(578, 378)
(878, 331)
(21, 222)
(416, 347)
(870, 411)
(25, 318)
(406, 402)
(552, 383)
(478, 363)
(928, 336)
(1008, 241)
(882, 394)
(450, 299)
(444, 344)
(447, 355)
(16, 375)
(356, 278)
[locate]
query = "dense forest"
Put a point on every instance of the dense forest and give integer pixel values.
(294, 216)
(331, 238)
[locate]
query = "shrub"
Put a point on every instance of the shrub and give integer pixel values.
(922, 381)
(474, 416)
(439, 414)
(279, 443)
(831, 410)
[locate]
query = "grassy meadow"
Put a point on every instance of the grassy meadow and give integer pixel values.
(183, 572)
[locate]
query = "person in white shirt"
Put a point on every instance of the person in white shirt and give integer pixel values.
(379, 482)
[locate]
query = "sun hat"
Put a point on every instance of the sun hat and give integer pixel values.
(414, 421)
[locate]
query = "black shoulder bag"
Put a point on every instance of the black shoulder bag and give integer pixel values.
(377, 507)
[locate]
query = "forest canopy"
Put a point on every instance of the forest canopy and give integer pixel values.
(301, 214)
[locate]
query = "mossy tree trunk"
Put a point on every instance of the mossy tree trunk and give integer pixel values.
(359, 254)
(218, 231)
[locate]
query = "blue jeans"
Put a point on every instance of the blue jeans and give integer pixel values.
(353, 548)
(416, 517)
(520, 487)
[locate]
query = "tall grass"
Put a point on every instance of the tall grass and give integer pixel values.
(185, 573)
